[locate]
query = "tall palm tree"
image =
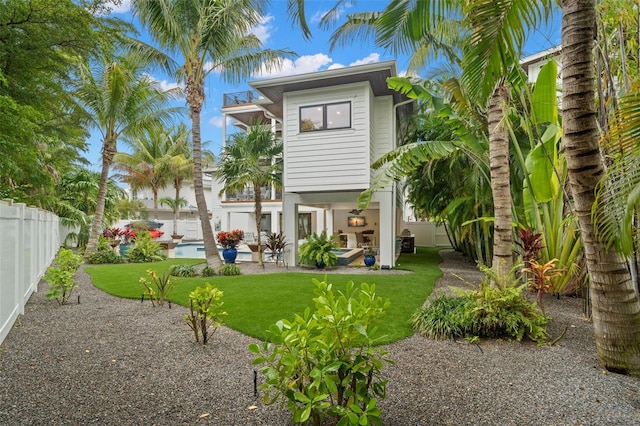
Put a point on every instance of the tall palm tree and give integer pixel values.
(209, 36)
(120, 100)
(490, 37)
(252, 159)
(180, 164)
(615, 307)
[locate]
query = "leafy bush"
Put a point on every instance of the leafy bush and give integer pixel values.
(323, 364)
(443, 318)
(208, 271)
(186, 271)
(105, 256)
(60, 277)
(498, 311)
(316, 250)
(229, 269)
(205, 310)
(145, 250)
(158, 288)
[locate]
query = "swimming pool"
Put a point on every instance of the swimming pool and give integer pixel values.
(196, 251)
(347, 255)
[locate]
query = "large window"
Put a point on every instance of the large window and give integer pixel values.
(325, 117)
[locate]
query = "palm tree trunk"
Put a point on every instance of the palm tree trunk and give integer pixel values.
(500, 181)
(257, 191)
(108, 151)
(176, 208)
(615, 307)
(195, 98)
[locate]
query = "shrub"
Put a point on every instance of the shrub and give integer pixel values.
(208, 271)
(163, 286)
(60, 277)
(229, 269)
(323, 364)
(316, 250)
(105, 256)
(498, 311)
(205, 310)
(186, 271)
(145, 250)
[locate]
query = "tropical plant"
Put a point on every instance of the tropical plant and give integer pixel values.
(208, 271)
(616, 309)
(205, 311)
(102, 255)
(145, 249)
(209, 36)
(541, 276)
(182, 271)
(317, 250)
(229, 269)
(174, 204)
(60, 276)
(322, 363)
(158, 288)
(120, 99)
(230, 239)
(252, 159)
(276, 244)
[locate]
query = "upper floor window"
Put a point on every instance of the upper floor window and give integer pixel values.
(325, 117)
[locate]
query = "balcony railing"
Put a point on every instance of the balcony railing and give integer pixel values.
(239, 98)
(247, 195)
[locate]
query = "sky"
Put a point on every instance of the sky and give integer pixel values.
(278, 32)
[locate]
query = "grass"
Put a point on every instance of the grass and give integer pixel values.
(254, 302)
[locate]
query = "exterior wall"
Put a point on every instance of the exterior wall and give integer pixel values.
(428, 234)
(329, 160)
(31, 238)
(382, 128)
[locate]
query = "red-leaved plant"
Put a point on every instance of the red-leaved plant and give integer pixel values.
(230, 239)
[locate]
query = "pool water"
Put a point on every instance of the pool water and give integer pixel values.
(196, 251)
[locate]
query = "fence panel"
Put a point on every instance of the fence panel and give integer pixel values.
(30, 242)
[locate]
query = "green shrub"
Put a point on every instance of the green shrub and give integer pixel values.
(186, 271)
(323, 365)
(443, 318)
(145, 249)
(158, 288)
(316, 250)
(501, 310)
(205, 310)
(208, 271)
(229, 269)
(60, 276)
(105, 256)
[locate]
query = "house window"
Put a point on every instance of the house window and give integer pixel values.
(325, 117)
(265, 222)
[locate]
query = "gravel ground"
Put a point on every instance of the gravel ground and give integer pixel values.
(109, 361)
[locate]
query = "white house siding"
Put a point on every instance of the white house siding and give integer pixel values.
(381, 128)
(330, 160)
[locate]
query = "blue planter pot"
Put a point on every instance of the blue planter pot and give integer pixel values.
(229, 255)
(320, 265)
(369, 261)
(124, 249)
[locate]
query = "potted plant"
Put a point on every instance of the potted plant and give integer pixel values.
(113, 235)
(229, 241)
(276, 243)
(369, 257)
(317, 250)
(126, 235)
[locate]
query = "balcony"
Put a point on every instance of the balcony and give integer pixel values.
(239, 98)
(247, 196)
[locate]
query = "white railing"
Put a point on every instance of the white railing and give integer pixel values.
(30, 241)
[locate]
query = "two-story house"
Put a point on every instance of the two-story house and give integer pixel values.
(333, 124)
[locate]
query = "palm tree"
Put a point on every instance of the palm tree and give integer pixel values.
(174, 204)
(252, 159)
(615, 307)
(120, 100)
(180, 163)
(148, 164)
(209, 36)
(486, 39)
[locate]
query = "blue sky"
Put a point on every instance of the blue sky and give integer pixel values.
(277, 32)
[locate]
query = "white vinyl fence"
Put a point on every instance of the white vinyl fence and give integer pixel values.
(30, 241)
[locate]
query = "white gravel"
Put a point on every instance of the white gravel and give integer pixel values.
(110, 361)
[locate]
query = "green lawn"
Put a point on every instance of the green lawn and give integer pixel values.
(254, 302)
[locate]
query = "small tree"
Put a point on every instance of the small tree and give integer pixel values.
(60, 277)
(205, 310)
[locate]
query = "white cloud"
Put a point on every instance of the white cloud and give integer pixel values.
(339, 12)
(372, 58)
(216, 121)
(264, 28)
(164, 84)
(303, 64)
(123, 7)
